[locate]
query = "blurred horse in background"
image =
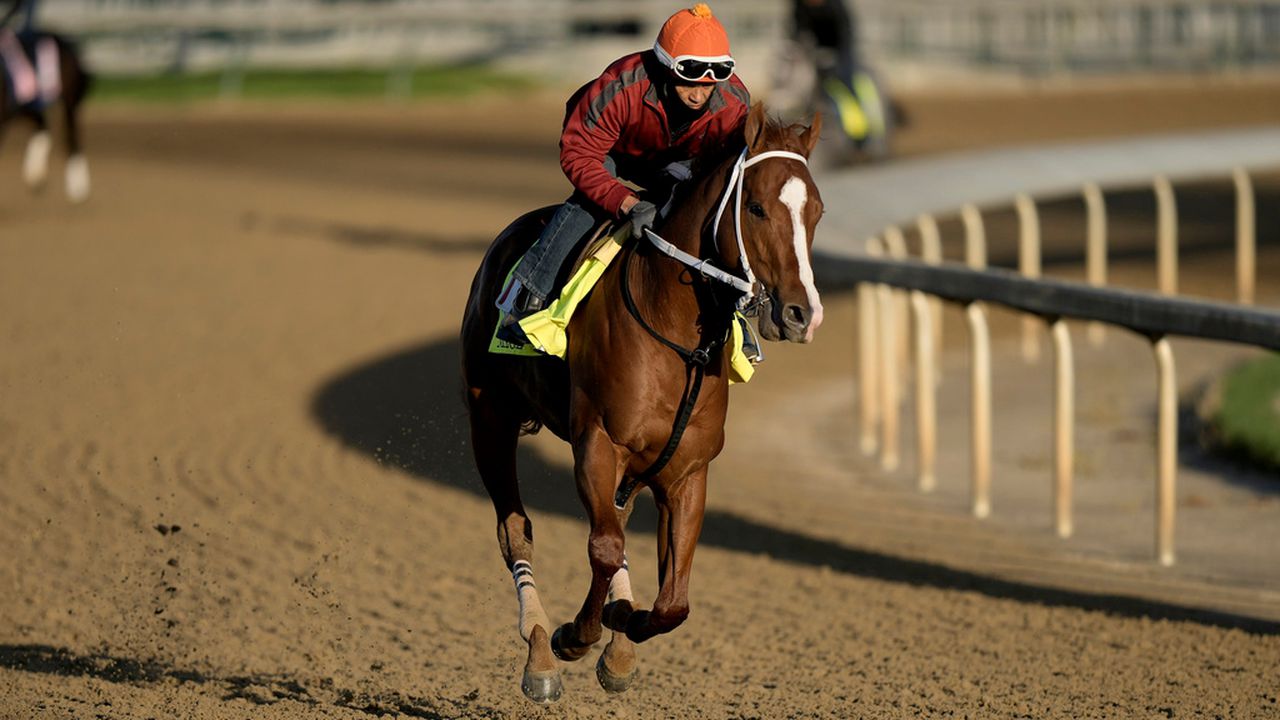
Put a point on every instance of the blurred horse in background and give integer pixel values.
(39, 70)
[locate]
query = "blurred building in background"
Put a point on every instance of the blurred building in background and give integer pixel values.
(913, 41)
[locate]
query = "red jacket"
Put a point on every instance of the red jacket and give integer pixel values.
(620, 114)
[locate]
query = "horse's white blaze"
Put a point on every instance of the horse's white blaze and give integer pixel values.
(795, 193)
(35, 165)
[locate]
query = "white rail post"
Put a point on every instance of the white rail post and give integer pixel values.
(1246, 238)
(869, 357)
(1096, 249)
(980, 382)
(1029, 266)
(926, 405)
(975, 237)
(1064, 427)
(1166, 452)
(1166, 236)
(888, 379)
(931, 253)
(896, 245)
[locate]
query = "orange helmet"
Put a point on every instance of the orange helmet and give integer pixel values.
(694, 45)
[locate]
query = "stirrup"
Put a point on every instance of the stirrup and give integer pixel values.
(509, 331)
(750, 343)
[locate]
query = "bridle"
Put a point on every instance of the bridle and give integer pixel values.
(696, 359)
(733, 190)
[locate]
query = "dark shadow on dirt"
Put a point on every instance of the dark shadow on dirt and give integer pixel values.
(259, 689)
(407, 411)
(369, 236)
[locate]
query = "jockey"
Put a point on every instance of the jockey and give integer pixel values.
(15, 47)
(644, 119)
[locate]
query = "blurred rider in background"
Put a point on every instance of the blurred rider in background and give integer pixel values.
(644, 119)
(831, 26)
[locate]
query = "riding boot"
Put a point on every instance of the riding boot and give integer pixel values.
(534, 277)
(516, 303)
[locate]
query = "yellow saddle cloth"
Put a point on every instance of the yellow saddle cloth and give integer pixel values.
(546, 328)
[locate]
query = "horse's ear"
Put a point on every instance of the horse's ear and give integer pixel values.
(754, 131)
(809, 138)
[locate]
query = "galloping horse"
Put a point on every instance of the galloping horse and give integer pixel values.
(71, 84)
(650, 335)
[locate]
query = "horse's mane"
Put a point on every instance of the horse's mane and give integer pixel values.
(777, 135)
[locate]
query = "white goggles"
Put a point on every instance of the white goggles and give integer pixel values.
(694, 68)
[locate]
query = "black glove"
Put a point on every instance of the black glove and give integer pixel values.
(642, 215)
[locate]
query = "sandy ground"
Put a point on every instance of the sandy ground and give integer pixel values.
(235, 481)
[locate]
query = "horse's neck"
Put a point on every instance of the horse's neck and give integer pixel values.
(661, 284)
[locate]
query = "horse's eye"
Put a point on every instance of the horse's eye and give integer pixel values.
(756, 209)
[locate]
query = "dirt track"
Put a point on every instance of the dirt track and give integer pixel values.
(234, 479)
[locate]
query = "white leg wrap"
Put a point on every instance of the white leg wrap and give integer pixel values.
(620, 584)
(35, 166)
(531, 612)
(77, 178)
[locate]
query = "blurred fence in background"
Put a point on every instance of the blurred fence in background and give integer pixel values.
(555, 38)
(1058, 36)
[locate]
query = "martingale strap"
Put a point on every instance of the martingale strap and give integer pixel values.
(702, 266)
(695, 362)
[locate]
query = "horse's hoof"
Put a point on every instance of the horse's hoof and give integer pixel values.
(543, 687)
(610, 682)
(567, 653)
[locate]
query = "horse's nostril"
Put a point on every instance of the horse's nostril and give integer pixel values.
(797, 316)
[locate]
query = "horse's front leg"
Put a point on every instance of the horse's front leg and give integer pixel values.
(617, 665)
(597, 467)
(680, 512)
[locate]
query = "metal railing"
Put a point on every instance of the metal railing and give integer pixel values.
(1030, 37)
(1078, 35)
(892, 287)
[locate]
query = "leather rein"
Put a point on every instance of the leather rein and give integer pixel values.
(697, 359)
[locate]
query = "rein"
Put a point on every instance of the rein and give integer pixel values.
(697, 359)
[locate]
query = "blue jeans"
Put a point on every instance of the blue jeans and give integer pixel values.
(538, 269)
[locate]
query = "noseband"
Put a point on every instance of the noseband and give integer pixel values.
(696, 360)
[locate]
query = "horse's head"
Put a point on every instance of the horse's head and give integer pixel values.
(779, 211)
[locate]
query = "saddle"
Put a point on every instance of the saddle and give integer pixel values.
(32, 68)
(573, 284)
(547, 328)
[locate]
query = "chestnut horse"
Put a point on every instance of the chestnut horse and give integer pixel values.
(73, 84)
(652, 331)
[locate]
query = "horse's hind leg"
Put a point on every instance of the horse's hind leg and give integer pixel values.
(77, 177)
(35, 163)
(494, 435)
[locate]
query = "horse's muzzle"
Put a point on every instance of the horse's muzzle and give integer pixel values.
(793, 322)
